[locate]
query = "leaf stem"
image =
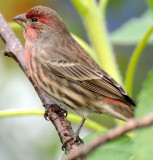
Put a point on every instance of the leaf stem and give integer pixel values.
(134, 60)
(14, 26)
(16, 112)
(96, 28)
(72, 117)
(103, 5)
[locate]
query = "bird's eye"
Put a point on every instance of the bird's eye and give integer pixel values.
(34, 20)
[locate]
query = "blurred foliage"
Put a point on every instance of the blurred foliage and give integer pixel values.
(151, 4)
(143, 138)
(118, 149)
(32, 137)
(131, 32)
(145, 97)
(134, 61)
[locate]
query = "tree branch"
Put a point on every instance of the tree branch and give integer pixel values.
(15, 50)
(111, 135)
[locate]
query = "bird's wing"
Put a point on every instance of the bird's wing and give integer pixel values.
(95, 80)
(73, 71)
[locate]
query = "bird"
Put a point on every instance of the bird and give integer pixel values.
(65, 72)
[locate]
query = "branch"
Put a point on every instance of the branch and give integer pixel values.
(15, 50)
(111, 135)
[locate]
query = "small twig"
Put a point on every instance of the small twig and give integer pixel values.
(15, 50)
(111, 135)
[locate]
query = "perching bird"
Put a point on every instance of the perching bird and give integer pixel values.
(65, 72)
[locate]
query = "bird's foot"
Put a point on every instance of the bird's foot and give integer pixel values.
(74, 139)
(53, 107)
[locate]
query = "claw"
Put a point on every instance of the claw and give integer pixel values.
(46, 115)
(63, 111)
(74, 139)
(77, 139)
(65, 143)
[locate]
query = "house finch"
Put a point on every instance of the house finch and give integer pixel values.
(65, 72)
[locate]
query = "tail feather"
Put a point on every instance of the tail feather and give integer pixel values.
(130, 101)
(118, 109)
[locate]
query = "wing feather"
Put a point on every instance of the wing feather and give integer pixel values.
(73, 71)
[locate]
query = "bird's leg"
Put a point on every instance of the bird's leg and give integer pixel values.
(80, 127)
(76, 135)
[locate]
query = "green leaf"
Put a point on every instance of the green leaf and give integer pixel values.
(118, 149)
(133, 31)
(144, 137)
(145, 99)
(151, 3)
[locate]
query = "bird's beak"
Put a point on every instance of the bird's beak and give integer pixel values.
(21, 20)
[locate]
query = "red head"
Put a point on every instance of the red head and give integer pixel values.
(40, 20)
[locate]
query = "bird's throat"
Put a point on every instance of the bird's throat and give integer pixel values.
(30, 33)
